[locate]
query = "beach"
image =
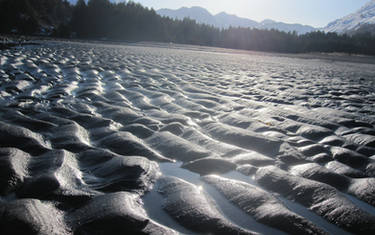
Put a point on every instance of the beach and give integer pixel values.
(102, 138)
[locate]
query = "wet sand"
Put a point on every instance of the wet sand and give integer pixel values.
(168, 139)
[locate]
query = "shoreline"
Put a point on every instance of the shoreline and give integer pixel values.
(21, 40)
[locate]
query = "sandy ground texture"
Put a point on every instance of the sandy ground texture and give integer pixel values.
(106, 139)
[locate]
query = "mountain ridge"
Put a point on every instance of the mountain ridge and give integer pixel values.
(353, 22)
(225, 20)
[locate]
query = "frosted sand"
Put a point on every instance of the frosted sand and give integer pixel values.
(105, 139)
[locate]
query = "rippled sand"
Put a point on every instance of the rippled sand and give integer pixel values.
(105, 139)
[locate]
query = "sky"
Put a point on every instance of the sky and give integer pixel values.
(317, 13)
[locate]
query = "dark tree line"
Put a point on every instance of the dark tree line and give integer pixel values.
(129, 21)
(30, 16)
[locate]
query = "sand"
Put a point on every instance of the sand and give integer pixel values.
(161, 139)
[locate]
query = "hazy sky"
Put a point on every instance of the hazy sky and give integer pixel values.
(317, 13)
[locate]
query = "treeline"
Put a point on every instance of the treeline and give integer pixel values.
(129, 21)
(32, 17)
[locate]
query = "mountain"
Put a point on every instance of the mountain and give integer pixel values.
(224, 20)
(364, 29)
(199, 14)
(299, 28)
(353, 22)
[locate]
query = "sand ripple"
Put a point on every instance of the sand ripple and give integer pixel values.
(104, 139)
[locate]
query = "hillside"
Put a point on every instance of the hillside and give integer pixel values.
(353, 22)
(33, 16)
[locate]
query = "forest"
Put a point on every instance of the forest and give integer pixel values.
(131, 22)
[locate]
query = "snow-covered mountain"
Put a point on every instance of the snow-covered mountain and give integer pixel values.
(299, 28)
(199, 14)
(224, 20)
(352, 22)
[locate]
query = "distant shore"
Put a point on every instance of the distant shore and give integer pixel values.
(9, 41)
